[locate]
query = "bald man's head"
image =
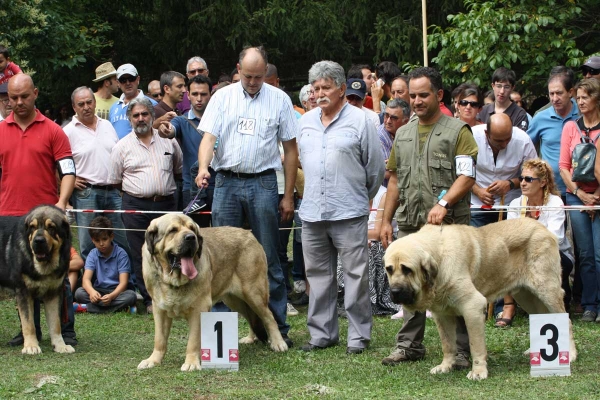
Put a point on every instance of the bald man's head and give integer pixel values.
(499, 131)
(252, 67)
(22, 95)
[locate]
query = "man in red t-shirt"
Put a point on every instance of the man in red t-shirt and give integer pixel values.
(32, 150)
(8, 69)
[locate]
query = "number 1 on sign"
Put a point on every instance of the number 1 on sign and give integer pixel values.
(219, 330)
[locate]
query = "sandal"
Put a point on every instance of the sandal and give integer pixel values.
(505, 322)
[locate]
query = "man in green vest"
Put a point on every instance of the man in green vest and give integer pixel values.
(433, 169)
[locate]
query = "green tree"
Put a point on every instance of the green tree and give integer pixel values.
(527, 36)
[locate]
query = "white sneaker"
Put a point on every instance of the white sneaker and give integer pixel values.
(398, 315)
(428, 314)
(299, 286)
(291, 311)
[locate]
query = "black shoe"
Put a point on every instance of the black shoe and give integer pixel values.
(287, 341)
(70, 341)
(354, 350)
(195, 206)
(19, 339)
(300, 301)
(308, 347)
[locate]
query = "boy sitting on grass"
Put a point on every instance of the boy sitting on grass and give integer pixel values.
(106, 279)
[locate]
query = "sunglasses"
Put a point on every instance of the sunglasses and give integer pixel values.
(528, 179)
(474, 104)
(392, 117)
(155, 95)
(197, 71)
(129, 79)
(590, 70)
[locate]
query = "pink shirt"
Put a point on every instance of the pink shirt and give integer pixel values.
(11, 70)
(91, 149)
(569, 139)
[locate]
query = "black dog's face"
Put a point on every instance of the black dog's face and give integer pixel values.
(47, 229)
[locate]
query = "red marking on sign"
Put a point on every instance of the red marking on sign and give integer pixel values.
(563, 358)
(233, 355)
(205, 354)
(534, 358)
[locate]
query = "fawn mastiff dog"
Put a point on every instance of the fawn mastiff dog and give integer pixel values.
(187, 269)
(456, 269)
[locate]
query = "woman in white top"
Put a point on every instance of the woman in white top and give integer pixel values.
(538, 189)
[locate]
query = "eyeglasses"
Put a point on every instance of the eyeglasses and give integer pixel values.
(500, 86)
(197, 71)
(155, 95)
(4, 101)
(528, 179)
(137, 115)
(392, 117)
(589, 70)
(474, 104)
(129, 79)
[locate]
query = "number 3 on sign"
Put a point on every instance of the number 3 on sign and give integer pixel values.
(219, 340)
(549, 349)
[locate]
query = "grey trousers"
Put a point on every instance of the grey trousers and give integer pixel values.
(321, 243)
(410, 336)
(126, 298)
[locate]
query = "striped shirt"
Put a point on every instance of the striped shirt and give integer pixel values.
(387, 141)
(91, 149)
(146, 171)
(248, 128)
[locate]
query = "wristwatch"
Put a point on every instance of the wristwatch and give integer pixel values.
(443, 203)
(512, 184)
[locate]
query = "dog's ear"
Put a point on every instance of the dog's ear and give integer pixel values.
(429, 267)
(151, 236)
(196, 229)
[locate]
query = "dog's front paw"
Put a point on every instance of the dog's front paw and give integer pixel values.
(478, 373)
(191, 366)
(65, 348)
(148, 363)
(443, 368)
(248, 339)
(279, 346)
(32, 350)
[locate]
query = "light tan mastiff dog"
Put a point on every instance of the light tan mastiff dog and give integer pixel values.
(456, 269)
(187, 269)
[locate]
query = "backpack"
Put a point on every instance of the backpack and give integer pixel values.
(583, 158)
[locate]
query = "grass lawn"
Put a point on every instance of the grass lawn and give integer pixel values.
(111, 346)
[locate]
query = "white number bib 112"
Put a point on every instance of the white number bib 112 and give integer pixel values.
(549, 345)
(219, 340)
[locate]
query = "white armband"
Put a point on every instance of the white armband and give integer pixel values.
(465, 165)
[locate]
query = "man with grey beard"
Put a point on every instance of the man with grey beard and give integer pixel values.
(143, 166)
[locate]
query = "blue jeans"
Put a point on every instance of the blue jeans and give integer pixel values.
(587, 236)
(479, 219)
(298, 273)
(255, 199)
(97, 199)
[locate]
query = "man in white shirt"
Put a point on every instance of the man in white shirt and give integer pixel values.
(502, 150)
(92, 139)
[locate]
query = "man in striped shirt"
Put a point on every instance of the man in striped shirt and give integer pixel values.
(249, 118)
(144, 165)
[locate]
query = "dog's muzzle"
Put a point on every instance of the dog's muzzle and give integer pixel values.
(402, 295)
(40, 247)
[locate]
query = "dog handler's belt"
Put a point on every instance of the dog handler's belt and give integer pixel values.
(241, 175)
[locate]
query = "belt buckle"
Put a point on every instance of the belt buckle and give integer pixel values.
(154, 199)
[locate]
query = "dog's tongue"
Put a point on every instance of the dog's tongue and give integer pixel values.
(188, 268)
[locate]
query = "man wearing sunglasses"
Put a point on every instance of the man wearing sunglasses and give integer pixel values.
(128, 80)
(154, 90)
(591, 68)
(195, 66)
(503, 83)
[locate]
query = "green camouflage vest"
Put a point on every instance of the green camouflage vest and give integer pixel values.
(423, 176)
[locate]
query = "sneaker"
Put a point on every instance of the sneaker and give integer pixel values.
(461, 362)
(291, 311)
(70, 341)
(301, 301)
(401, 355)
(398, 315)
(195, 206)
(79, 308)
(589, 316)
(428, 314)
(299, 286)
(138, 296)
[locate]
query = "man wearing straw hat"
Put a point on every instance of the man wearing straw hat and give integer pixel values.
(106, 77)
(502, 150)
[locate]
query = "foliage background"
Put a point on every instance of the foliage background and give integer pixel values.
(62, 41)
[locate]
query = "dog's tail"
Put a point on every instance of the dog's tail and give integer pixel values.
(257, 325)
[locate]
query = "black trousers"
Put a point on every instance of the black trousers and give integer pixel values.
(135, 238)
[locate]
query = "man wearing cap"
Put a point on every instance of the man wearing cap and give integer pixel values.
(355, 94)
(92, 139)
(106, 77)
(128, 81)
(591, 68)
(4, 103)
